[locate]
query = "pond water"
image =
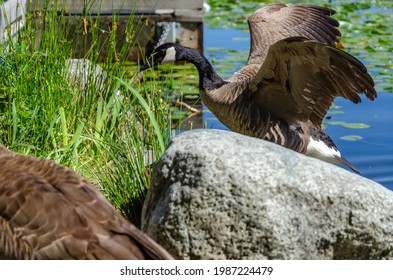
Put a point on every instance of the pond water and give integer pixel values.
(371, 152)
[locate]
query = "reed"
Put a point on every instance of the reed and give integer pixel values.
(104, 129)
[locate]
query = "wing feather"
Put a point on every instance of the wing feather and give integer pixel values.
(300, 79)
(275, 22)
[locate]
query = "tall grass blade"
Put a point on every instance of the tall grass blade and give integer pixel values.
(14, 122)
(63, 124)
(150, 114)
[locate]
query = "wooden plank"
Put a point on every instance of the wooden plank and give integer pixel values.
(175, 15)
(96, 6)
(187, 13)
(163, 10)
(191, 35)
(170, 4)
(12, 18)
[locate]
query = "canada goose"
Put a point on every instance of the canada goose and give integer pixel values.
(293, 73)
(49, 212)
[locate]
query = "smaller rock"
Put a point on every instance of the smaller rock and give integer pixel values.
(83, 74)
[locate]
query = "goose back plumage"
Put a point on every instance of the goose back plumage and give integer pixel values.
(48, 211)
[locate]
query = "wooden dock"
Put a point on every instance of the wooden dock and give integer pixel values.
(12, 18)
(155, 21)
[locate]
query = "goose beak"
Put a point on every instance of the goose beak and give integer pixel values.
(144, 67)
(149, 64)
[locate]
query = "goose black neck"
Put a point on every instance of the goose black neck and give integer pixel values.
(208, 77)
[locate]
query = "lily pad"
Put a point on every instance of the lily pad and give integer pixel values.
(336, 112)
(336, 123)
(351, 137)
(349, 125)
(356, 125)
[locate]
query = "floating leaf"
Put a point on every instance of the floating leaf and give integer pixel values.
(351, 137)
(335, 123)
(336, 112)
(240, 38)
(356, 125)
(191, 96)
(370, 49)
(189, 90)
(334, 106)
(178, 115)
(388, 89)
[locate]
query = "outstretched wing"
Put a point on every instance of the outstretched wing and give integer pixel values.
(276, 22)
(300, 79)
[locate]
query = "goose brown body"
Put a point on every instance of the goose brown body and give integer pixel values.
(48, 211)
(293, 73)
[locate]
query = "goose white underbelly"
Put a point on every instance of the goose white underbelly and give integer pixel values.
(319, 149)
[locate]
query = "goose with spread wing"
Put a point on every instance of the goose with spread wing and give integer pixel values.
(293, 74)
(48, 211)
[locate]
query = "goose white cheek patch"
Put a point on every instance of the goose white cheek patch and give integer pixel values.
(170, 55)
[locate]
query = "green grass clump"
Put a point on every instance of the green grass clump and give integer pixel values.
(100, 126)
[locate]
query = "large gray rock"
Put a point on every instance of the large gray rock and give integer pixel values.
(221, 195)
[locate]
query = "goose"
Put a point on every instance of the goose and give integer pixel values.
(293, 73)
(47, 211)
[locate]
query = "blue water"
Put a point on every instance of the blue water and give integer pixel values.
(372, 155)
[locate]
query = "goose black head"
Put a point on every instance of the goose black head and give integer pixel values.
(165, 53)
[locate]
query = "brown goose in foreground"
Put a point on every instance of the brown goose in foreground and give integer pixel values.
(293, 74)
(49, 212)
